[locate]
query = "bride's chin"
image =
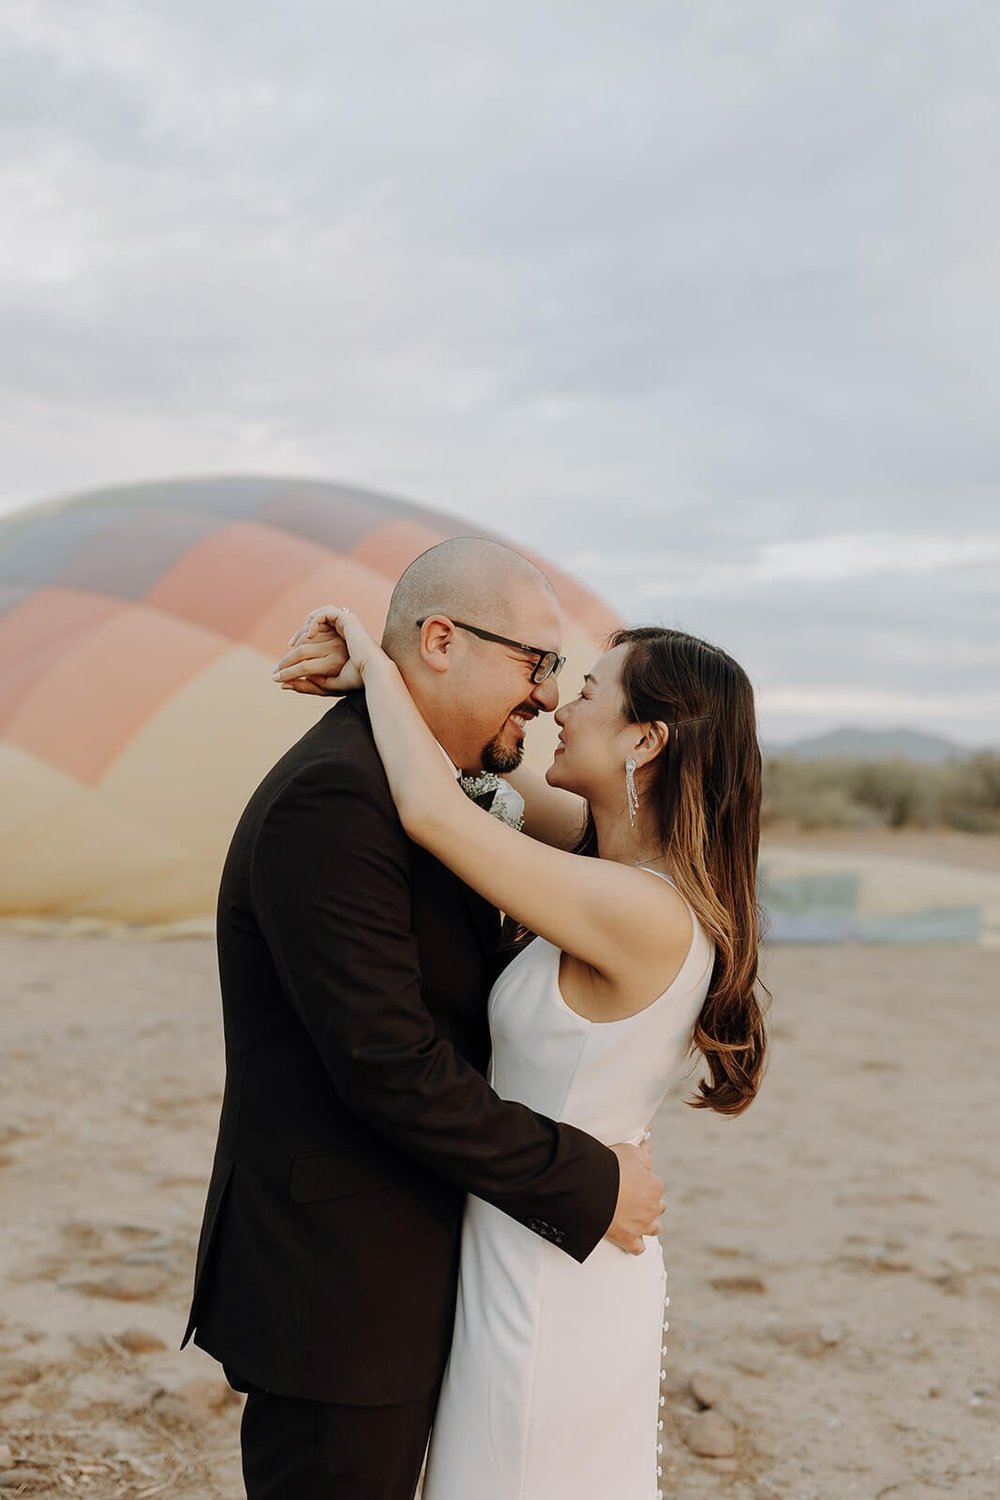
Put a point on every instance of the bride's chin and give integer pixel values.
(556, 776)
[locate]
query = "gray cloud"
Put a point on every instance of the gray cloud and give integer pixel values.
(650, 281)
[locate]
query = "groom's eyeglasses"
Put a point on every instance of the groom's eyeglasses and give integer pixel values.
(547, 663)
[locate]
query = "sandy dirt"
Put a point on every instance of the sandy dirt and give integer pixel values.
(834, 1256)
(940, 846)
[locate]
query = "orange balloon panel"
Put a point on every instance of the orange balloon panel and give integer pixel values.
(392, 547)
(79, 713)
(137, 712)
(34, 634)
(224, 581)
(338, 580)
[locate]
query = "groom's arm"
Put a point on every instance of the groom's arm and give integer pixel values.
(330, 879)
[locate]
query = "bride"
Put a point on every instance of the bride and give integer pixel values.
(637, 946)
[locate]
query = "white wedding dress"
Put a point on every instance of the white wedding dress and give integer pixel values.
(552, 1386)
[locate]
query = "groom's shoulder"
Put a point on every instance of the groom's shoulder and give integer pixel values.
(337, 754)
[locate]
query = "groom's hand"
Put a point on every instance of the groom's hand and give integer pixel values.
(640, 1199)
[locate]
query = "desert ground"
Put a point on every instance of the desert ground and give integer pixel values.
(834, 1255)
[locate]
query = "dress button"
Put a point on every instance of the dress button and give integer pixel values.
(659, 1449)
(659, 1425)
(666, 1301)
(666, 1325)
(659, 1471)
(663, 1400)
(663, 1348)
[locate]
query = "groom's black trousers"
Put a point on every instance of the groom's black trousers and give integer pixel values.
(310, 1450)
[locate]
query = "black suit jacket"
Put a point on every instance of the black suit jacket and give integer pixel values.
(354, 971)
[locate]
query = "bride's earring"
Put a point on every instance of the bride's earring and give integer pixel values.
(630, 792)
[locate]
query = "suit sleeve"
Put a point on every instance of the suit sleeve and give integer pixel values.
(330, 880)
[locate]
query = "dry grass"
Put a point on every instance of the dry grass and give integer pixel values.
(837, 793)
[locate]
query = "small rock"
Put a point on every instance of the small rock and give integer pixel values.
(750, 1364)
(830, 1335)
(708, 1390)
(130, 1284)
(933, 1391)
(674, 1385)
(731, 1414)
(208, 1391)
(18, 1372)
(13, 1479)
(710, 1435)
(146, 1258)
(140, 1341)
(94, 1346)
(805, 1341)
(190, 1402)
(83, 1232)
(751, 1286)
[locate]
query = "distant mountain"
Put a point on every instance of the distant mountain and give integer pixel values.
(874, 744)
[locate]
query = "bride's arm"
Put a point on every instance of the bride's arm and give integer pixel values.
(609, 915)
(550, 814)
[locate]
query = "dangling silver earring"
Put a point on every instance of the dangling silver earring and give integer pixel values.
(630, 792)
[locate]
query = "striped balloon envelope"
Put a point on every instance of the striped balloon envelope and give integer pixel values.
(138, 626)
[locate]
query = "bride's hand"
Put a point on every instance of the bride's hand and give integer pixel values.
(328, 654)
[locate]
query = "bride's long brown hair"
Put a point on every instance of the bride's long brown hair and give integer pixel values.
(706, 789)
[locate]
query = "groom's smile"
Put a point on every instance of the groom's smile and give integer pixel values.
(521, 718)
(505, 750)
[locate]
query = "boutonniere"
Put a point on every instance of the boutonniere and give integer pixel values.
(497, 796)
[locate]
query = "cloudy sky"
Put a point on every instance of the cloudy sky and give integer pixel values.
(701, 299)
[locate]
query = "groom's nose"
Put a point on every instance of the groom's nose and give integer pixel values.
(545, 695)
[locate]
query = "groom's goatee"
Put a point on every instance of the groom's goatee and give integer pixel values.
(499, 758)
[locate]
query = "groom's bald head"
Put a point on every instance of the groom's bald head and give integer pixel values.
(466, 578)
(476, 695)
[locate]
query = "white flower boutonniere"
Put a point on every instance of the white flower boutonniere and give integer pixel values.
(507, 804)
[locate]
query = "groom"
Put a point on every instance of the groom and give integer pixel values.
(354, 971)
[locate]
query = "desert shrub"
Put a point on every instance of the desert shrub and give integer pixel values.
(842, 793)
(970, 794)
(811, 794)
(899, 792)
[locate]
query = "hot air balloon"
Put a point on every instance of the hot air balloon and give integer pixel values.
(137, 713)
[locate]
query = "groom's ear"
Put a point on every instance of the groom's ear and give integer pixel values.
(437, 636)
